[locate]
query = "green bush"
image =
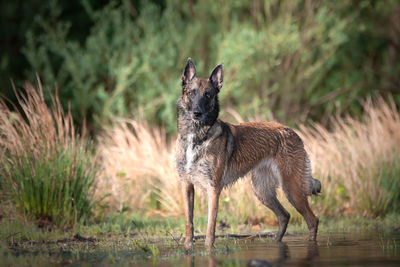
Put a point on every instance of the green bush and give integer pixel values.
(291, 59)
(47, 170)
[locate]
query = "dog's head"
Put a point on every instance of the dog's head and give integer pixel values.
(199, 95)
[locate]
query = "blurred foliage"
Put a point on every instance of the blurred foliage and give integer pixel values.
(17, 18)
(291, 60)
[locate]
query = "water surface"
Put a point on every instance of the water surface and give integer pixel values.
(345, 249)
(350, 249)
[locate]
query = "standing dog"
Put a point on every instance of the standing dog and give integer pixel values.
(212, 154)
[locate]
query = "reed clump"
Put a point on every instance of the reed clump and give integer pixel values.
(358, 161)
(47, 170)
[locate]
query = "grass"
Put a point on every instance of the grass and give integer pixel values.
(138, 170)
(47, 169)
(18, 230)
(170, 230)
(357, 162)
(389, 245)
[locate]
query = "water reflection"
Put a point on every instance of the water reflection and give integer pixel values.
(212, 261)
(283, 252)
(312, 250)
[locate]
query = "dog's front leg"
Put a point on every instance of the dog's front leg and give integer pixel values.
(213, 199)
(188, 196)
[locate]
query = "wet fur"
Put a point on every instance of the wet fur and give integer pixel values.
(212, 154)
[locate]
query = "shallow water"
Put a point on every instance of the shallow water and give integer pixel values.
(346, 249)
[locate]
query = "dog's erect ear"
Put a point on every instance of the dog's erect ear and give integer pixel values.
(217, 76)
(189, 72)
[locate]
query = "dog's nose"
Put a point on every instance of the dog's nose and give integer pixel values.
(197, 114)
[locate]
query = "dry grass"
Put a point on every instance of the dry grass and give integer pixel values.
(138, 165)
(37, 127)
(138, 168)
(357, 161)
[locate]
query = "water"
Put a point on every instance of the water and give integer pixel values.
(346, 249)
(331, 250)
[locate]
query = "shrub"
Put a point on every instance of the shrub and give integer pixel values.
(293, 59)
(46, 169)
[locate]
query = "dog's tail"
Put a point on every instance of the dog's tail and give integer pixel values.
(315, 186)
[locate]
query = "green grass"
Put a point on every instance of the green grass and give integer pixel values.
(355, 223)
(18, 230)
(54, 188)
(171, 230)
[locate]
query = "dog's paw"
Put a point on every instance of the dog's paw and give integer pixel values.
(209, 244)
(188, 245)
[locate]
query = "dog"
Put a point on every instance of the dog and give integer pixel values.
(212, 154)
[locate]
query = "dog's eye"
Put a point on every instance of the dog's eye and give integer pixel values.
(208, 95)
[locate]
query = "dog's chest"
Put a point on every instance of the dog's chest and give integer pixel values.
(193, 162)
(195, 155)
(192, 153)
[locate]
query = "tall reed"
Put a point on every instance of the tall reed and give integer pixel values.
(138, 169)
(47, 170)
(358, 161)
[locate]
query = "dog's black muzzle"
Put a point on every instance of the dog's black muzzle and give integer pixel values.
(199, 115)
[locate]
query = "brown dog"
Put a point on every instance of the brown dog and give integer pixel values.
(212, 154)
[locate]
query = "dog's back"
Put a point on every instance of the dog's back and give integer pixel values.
(260, 144)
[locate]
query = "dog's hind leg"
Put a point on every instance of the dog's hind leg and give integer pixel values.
(298, 198)
(280, 212)
(265, 180)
